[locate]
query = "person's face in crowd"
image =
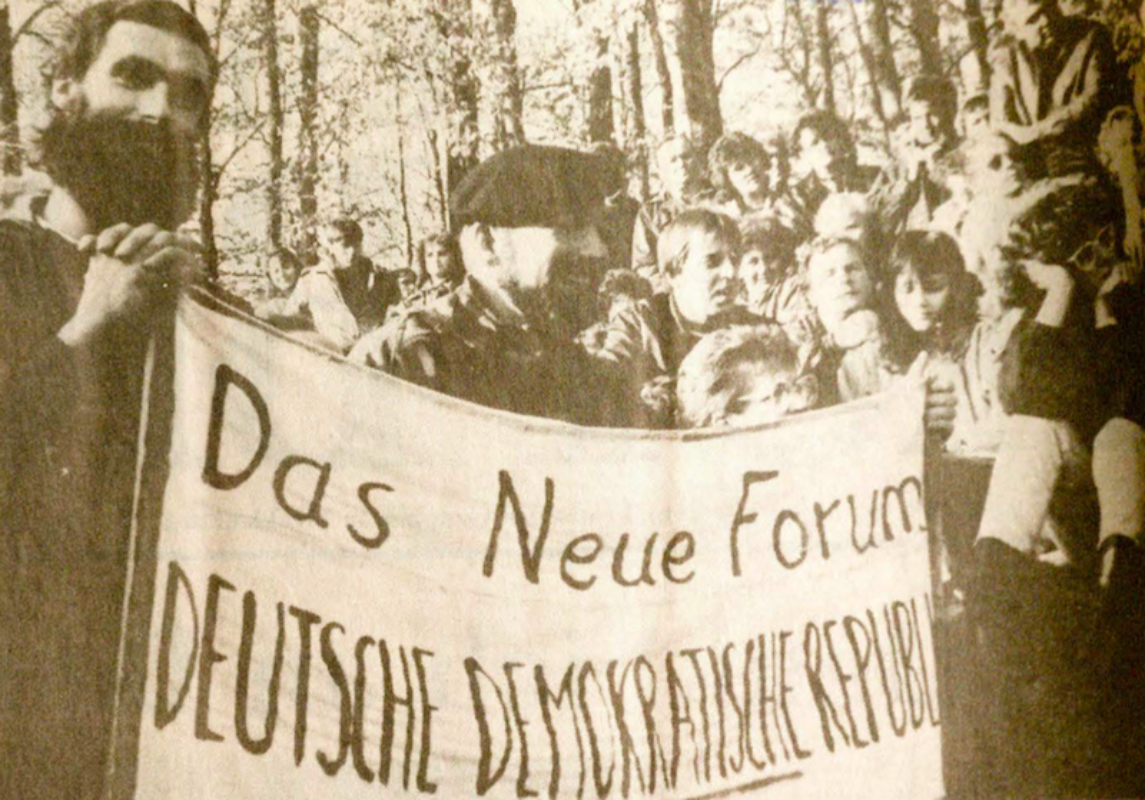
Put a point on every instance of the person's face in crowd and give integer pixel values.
(765, 393)
(754, 273)
(921, 300)
(749, 180)
(676, 168)
(1028, 21)
(340, 253)
(122, 140)
(147, 74)
(977, 122)
(705, 283)
(438, 262)
(815, 157)
(838, 283)
(283, 273)
(925, 124)
(549, 274)
(407, 283)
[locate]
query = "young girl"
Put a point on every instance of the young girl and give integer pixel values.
(439, 272)
(926, 303)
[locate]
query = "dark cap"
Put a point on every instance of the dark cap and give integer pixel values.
(533, 186)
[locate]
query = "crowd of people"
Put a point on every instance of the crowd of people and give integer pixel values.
(995, 261)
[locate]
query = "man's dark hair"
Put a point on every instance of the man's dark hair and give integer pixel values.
(832, 130)
(939, 94)
(977, 102)
(349, 230)
(88, 31)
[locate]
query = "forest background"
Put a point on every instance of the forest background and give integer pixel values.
(377, 108)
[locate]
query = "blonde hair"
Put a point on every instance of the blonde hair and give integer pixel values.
(708, 378)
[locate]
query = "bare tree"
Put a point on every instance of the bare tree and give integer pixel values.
(403, 190)
(308, 26)
(826, 63)
(867, 54)
(976, 30)
(924, 28)
(9, 100)
(275, 120)
(693, 25)
(660, 56)
(12, 160)
(599, 117)
(508, 122)
(794, 58)
(636, 98)
(455, 26)
(886, 71)
(208, 174)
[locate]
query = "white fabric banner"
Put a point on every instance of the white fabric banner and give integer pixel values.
(365, 589)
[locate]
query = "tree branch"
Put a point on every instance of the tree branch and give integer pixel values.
(238, 148)
(26, 25)
(735, 64)
(338, 28)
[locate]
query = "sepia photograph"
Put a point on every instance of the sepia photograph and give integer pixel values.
(681, 399)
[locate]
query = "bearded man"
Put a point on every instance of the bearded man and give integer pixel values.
(82, 286)
(528, 222)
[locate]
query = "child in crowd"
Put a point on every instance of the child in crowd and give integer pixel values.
(282, 271)
(315, 303)
(439, 272)
(407, 282)
(773, 289)
(743, 375)
(840, 291)
(926, 304)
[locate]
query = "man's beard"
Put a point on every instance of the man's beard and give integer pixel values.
(121, 170)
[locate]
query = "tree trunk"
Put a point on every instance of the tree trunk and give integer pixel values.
(924, 29)
(308, 134)
(826, 66)
(208, 193)
(976, 29)
(9, 100)
(456, 26)
(887, 74)
(667, 101)
(439, 191)
(600, 126)
(868, 56)
(508, 122)
(403, 191)
(636, 99)
(694, 26)
(275, 122)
